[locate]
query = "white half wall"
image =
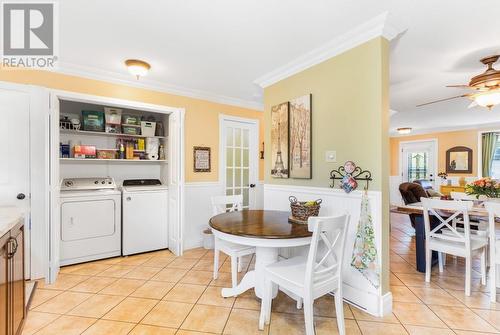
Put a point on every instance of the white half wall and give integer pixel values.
(357, 289)
(198, 209)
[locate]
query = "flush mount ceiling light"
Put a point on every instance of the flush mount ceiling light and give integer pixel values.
(137, 68)
(404, 130)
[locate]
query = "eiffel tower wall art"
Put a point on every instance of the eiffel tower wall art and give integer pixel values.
(300, 137)
(279, 140)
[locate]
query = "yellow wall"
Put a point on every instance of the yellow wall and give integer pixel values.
(446, 140)
(350, 114)
(202, 117)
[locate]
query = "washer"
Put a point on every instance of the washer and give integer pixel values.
(145, 216)
(90, 220)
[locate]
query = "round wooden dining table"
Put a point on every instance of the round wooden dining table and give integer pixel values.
(267, 231)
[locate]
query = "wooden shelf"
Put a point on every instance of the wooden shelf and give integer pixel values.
(101, 133)
(97, 160)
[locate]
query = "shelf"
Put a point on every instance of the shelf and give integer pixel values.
(101, 133)
(97, 160)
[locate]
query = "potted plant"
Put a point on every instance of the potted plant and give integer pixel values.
(484, 188)
(443, 176)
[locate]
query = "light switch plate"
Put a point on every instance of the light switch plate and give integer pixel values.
(330, 156)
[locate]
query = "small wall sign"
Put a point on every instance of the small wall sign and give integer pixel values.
(201, 159)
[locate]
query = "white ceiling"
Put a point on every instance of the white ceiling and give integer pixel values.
(216, 49)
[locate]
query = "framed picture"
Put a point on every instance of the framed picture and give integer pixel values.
(201, 159)
(279, 140)
(459, 160)
(300, 137)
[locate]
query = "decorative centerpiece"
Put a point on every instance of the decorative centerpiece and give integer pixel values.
(443, 176)
(302, 210)
(484, 187)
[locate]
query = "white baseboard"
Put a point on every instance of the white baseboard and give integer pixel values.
(386, 304)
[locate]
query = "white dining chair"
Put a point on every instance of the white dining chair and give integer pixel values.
(455, 242)
(493, 213)
(309, 278)
(222, 204)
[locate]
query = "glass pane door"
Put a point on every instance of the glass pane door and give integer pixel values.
(240, 165)
(418, 161)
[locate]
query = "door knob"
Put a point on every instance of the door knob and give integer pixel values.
(21, 196)
(252, 185)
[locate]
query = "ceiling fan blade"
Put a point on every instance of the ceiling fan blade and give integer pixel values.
(461, 86)
(445, 99)
(472, 104)
(469, 87)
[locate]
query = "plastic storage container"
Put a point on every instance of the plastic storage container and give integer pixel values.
(148, 128)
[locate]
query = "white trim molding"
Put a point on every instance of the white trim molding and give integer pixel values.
(144, 83)
(383, 25)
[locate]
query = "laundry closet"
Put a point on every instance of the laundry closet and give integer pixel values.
(117, 172)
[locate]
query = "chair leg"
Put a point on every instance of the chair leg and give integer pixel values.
(240, 266)
(234, 271)
(265, 306)
(308, 315)
(216, 261)
(299, 303)
(339, 311)
(468, 272)
(444, 259)
(493, 282)
(483, 266)
(440, 261)
(428, 264)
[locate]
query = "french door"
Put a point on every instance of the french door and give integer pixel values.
(239, 147)
(418, 160)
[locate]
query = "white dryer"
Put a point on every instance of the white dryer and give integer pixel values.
(90, 220)
(145, 216)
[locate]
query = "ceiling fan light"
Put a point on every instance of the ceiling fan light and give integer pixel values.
(404, 130)
(137, 68)
(488, 99)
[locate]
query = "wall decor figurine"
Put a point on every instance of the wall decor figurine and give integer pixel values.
(349, 174)
(459, 160)
(201, 159)
(300, 137)
(279, 140)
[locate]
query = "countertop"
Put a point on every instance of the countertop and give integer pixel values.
(9, 217)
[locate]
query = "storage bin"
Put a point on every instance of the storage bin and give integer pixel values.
(131, 130)
(106, 153)
(113, 115)
(208, 239)
(148, 128)
(93, 121)
(131, 120)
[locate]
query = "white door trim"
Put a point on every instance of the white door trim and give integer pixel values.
(434, 141)
(253, 147)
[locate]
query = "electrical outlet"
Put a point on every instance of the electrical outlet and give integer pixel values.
(330, 156)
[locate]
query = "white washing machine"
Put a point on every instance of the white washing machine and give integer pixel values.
(90, 220)
(145, 216)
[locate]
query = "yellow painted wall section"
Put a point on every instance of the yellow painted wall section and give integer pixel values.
(350, 114)
(446, 140)
(202, 117)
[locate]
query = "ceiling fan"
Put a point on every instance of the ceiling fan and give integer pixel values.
(485, 86)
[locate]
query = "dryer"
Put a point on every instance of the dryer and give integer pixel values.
(90, 220)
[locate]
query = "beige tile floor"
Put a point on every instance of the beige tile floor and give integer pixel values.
(158, 293)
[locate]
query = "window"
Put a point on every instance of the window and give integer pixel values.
(495, 164)
(417, 165)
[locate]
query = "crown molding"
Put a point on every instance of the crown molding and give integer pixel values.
(144, 83)
(424, 131)
(384, 25)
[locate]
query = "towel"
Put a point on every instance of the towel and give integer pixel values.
(364, 255)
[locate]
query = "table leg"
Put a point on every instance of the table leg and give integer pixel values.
(263, 256)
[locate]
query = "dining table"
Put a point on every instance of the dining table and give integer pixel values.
(267, 231)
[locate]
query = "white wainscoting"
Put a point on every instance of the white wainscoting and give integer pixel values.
(199, 210)
(357, 289)
(394, 194)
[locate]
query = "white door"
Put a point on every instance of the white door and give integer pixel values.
(239, 150)
(176, 181)
(15, 156)
(418, 161)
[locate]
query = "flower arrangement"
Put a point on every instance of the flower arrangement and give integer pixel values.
(484, 186)
(443, 175)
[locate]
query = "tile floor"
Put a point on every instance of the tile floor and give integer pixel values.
(157, 293)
